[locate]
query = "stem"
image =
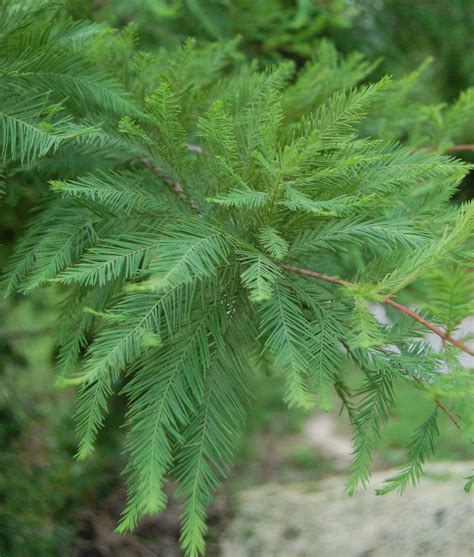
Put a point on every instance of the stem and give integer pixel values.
(452, 149)
(465, 147)
(387, 300)
(174, 185)
(438, 403)
(428, 325)
(441, 406)
(397, 306)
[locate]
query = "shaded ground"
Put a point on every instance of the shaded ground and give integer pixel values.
(311, 515)
(322, 432)
(154, 537)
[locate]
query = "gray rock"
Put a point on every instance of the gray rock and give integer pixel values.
(318, 520)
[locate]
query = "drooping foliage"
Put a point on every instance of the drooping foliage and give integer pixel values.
(182, 192)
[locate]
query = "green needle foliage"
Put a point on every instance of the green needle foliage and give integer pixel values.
(267, 28)
(421, 447)
(177, 194)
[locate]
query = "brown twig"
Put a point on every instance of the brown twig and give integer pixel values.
(314, 274)
(428, 325)
(438, 403)
(465, 147)
(387, 300)
(452, 149)
(174, 185)
(441, 406)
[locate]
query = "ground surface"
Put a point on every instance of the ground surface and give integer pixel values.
(307, 519)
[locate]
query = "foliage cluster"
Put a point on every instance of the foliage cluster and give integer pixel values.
(185, 187)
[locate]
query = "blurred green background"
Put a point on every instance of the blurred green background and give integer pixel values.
(52, 505)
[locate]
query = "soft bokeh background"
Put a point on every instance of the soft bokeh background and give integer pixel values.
(292, 465)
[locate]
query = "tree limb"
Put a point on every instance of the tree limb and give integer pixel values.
(452, 149)
(465, 147)
(174, 185)
(387, 300)
(441, 406)
(438, 403)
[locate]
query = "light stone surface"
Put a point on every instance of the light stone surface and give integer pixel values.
(318, 520)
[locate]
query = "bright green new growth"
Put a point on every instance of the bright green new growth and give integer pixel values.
(169, 215)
